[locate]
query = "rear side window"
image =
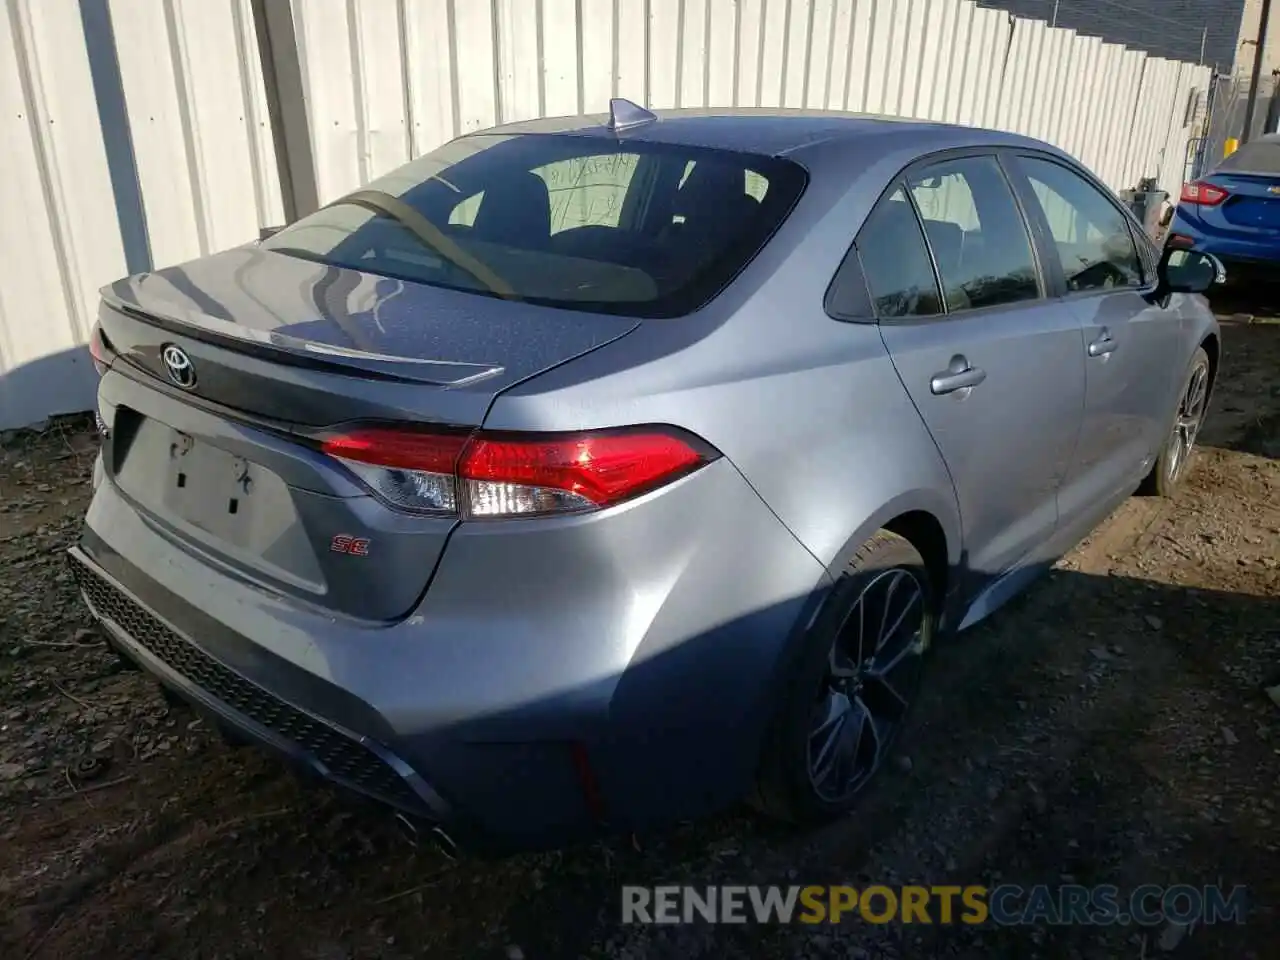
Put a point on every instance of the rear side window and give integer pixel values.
(1257, 156)
(1091, 235)
(976, 232)
(579, 222)
(895, 261)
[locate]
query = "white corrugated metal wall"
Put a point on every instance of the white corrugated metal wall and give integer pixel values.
(88, 197)
(85, 194)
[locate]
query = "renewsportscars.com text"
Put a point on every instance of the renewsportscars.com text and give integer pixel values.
(1004, 905)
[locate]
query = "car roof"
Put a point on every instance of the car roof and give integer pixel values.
(772, 131)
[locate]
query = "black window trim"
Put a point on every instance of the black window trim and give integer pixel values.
(857, 284)
(850, 278)
(904, 183)
(1042, 286)
(1148, 256)
(848, 298)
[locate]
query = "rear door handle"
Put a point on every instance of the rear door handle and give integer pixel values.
(958, 376)
(1103, 346)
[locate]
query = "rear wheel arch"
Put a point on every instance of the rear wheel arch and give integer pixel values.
(923, 521)
(924, 532)
(778, 790)
(928, 520)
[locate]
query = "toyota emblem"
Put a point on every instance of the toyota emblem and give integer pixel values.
(178, 365)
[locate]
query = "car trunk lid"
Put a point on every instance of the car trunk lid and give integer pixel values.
(1253, 200)
(280, 352)
(348, 332)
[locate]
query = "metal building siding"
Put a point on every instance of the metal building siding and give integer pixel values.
(1173, 29)
(197, 151)
(499, 60)
(386, 80)
(198, 119)
(59, 235)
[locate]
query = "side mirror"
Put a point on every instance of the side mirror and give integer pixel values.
(1189, 271)
(268, 232)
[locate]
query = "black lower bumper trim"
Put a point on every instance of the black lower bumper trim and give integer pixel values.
(342, 757)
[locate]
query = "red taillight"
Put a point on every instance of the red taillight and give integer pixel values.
(407, 450)
(595, 470)
(100, 350)
(413, 470)
(505, 475)
(1203, 194)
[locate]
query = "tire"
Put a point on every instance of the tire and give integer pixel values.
(792, 785)
(1174, 460)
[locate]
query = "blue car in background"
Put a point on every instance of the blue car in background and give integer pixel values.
(1234, 212)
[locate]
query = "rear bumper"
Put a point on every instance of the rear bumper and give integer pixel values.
(326, 748)
(646, 639)
(1256, 258)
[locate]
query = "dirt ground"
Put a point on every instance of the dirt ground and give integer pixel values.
(1110, 726)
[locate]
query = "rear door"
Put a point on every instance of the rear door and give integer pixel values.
(993, 365)
(1133, 359)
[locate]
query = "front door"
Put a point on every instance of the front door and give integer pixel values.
(1131, 344)
(997, 372)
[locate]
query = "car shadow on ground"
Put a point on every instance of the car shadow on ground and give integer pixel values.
(1051, 746)
(1246, 401)
(1099, 729)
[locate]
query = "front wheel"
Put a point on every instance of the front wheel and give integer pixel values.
(1175, 455)
(852, 685)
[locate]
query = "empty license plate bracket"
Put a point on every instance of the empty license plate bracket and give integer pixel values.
(209, 487)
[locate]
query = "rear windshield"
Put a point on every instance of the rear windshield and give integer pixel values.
(581, 222)
(1260, 156)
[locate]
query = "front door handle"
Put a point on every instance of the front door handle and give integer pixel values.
(1103, 346)
(958, 376)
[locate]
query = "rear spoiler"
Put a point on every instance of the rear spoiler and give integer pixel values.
(293, 351)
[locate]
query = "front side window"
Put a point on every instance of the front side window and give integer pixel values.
(1090, 234)
(895, 261)
(976, 232)
(578, 222)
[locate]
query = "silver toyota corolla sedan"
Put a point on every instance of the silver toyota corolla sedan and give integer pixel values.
(591, 474)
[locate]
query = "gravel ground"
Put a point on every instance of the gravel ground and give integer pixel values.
(1110, 726)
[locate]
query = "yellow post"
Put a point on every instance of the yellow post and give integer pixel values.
(1231, 146)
